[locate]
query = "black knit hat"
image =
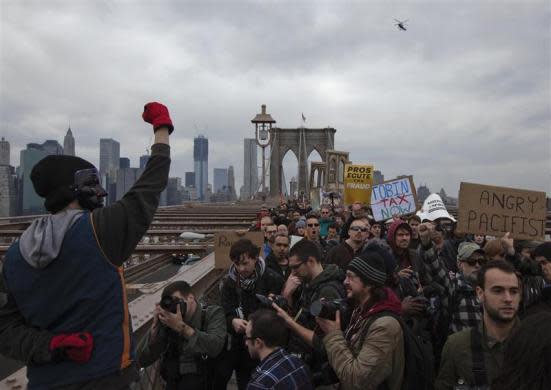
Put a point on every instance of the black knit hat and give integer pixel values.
(52, 178)
(543, 250)
(370, 267)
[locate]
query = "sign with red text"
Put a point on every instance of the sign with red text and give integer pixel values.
(497, 210)
(393, 198)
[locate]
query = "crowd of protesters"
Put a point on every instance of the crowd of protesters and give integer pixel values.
(331, 299)
(334, 299)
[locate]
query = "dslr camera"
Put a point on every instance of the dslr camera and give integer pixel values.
(171, 304)
(266, 302)
(327, 309)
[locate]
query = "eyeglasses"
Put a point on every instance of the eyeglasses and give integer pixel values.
(294, 266)
(475, 260)
(358, 229)
(313, 225)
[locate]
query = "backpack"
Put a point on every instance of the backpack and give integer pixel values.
(419, 357)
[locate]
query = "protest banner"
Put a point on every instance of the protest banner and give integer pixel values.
(497, 210)
(223, 240)
(393, 198)
(358, 180)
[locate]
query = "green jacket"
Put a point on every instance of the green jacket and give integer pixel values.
(456, 366)
(208, 341)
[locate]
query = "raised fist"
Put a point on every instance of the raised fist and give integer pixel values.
(157, 114)
(425, 230)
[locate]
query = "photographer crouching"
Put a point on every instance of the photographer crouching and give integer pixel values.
(186, 336)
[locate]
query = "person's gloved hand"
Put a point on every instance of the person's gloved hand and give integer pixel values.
(73, 346)
(157, 114)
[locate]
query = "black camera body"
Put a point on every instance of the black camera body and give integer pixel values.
(325, 308)
(266, 302)
(171, 304)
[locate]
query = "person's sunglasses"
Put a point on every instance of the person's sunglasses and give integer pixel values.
(358, 229)
(477, 260)
(313, 225)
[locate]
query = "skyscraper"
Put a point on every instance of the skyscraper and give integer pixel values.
(190, 179)
(69, 143)
(4, 152)
(143, 160)
(8, 191)
(31, 203)
(51, 146)
(124, 162)
(250, 169)
(109, 155)
(201, 165)
(220, 179)
(231, 183)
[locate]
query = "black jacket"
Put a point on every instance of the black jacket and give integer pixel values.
(234, 299)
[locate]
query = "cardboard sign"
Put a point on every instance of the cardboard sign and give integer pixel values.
(497, 210)
(358, 180)
(224, 240)
(393, 198)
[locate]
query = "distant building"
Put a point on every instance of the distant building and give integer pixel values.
(201, 164)
(51, 146)
(423, 193)
(378, 177)
(293, 188)
(231, 183)
(31, 203)
(174, 192)
(4, 152)
(126, 177)
(143, 160)
(190, 179)
(109, 155)
(220, 179)
(69, 143)
(250, 168)
(8, 191)
(124, 162)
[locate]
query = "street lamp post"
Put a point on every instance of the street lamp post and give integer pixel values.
(263, 124)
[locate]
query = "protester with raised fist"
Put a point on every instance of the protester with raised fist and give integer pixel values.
(66, 313)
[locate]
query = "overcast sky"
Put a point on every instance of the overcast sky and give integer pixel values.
(463, 95)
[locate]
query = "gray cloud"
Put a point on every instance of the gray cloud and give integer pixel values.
(463, 95)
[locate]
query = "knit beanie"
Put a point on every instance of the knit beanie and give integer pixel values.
(370, 267)
(543, 250)
(300, 224)
(53, 177)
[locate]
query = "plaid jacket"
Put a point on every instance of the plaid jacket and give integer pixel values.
(465, 310)
(281, 371)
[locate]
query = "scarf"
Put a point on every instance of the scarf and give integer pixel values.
(248, 283)
(361, 314)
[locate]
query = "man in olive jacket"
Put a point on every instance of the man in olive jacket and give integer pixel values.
(473, 356)
(185, 341)
(370, 352)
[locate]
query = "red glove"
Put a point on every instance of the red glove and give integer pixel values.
(74, 346)
(157, 114)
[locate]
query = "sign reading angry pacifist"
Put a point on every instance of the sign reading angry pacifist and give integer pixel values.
(393, 198)
(358, 180)
(224, 240)
(497, 210)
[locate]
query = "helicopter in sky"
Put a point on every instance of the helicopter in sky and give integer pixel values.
(401, 24)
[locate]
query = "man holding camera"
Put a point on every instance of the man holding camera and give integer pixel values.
(370, 352)
(266, 337)
(66, 314)
(247, 277)
(186, 337)
(316, 282)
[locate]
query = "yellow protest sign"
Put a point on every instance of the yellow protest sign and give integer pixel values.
(358, 181)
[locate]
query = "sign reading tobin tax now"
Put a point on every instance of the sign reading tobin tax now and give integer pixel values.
(497, 210)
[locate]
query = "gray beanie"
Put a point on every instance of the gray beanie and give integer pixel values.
(370, 267)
